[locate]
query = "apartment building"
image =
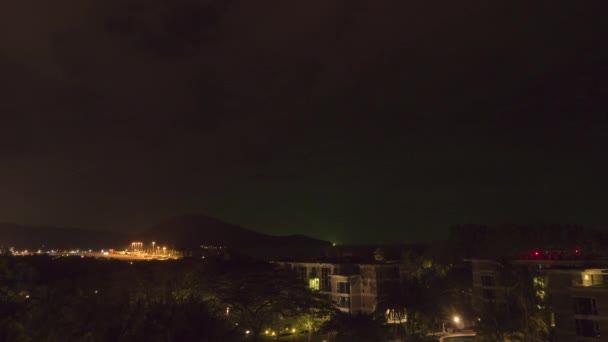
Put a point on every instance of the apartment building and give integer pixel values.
(352, 287)
(576, 294)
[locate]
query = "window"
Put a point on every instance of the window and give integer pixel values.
(313, 283)
(487, 281)
(344, 302)
(395, 316)
(343, 287)
(587, 328)
(301, 270)
(585, 306)
(325, 280)
(488, 294)
(313, 272)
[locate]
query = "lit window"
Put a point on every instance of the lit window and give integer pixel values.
(314, 283)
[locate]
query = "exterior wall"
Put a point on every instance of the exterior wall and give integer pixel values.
(337, 295)
(587, 284)
(564, 282)
(377, 281)
(482, 290)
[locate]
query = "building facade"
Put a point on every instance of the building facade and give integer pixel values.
(353, 288)
(577, 296)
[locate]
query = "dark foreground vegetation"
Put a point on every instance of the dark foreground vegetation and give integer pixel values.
(235, 299)
(76, 299)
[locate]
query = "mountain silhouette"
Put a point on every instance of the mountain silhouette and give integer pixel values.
(193, 231)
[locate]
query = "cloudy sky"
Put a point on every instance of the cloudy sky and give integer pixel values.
(352, 121)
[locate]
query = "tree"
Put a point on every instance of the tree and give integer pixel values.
(360, 328)
(257, 296)
(421, 296)
(520, 314)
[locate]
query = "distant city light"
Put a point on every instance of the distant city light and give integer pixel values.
(247, 332)
(456, 319)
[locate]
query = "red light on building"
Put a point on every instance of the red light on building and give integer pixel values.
(536, 253)
(576, 251)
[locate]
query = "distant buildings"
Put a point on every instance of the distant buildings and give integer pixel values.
(575, 291)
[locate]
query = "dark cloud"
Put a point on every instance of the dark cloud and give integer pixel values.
(346, 120)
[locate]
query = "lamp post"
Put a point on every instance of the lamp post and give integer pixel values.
(153, 243)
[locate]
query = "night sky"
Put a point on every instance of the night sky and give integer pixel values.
(346, 120)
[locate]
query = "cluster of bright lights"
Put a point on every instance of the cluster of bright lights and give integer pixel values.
(270, 332)
(273, 333)
(136, 247)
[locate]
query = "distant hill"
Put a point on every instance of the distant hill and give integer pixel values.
(193, 231)
(33, 237)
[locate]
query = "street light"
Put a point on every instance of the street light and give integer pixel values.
(153, 243)
(456, 319)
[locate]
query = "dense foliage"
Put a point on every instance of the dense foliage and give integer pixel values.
(84, 299)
